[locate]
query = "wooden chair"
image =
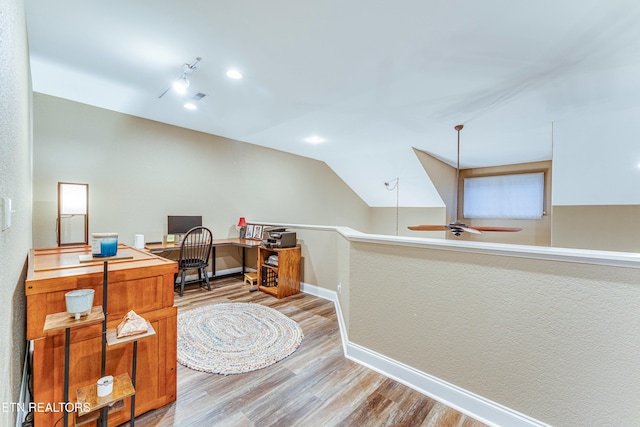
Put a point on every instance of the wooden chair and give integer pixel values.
(195, 251)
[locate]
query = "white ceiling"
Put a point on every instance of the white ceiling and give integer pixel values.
(374, 78)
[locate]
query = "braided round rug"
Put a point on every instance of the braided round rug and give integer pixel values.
(232, 338)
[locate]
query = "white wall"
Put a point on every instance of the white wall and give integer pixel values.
(15, 182)
(596, 159)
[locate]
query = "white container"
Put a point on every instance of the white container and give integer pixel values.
(79, 302)
(105, 386)
(138, 241)
(104, 244)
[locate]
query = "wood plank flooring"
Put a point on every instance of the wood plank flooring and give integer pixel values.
(315, 386)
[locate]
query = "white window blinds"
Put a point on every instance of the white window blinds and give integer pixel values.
(518, 196)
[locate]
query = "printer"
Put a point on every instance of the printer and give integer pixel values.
(280, 238)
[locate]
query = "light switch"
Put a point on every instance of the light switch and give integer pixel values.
(6, 213)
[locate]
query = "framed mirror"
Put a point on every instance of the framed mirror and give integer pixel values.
(73, 214)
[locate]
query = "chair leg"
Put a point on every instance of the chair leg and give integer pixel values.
(206, 278)
(184, 273)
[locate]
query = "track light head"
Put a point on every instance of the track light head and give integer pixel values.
(181, 84)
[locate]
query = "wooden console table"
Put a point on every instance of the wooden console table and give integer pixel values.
(142, 282)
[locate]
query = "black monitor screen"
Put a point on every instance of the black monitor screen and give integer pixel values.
(182, 224)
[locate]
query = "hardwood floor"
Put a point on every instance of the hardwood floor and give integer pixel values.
(315, 386)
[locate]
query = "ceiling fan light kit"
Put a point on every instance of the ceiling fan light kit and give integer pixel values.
(458, 227)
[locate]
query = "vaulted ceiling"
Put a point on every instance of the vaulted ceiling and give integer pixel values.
(374, 79)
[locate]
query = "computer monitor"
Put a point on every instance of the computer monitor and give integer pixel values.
(180, 224)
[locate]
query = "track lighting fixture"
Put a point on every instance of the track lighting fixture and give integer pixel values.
(181, 84)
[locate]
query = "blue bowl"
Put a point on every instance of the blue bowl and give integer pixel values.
(108, 247)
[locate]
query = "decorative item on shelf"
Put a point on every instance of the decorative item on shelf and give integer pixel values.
(105, 386)
(79, 302)
(242, 223)
(104, 244)
(249, 233)
(132, 324)
(257, 232)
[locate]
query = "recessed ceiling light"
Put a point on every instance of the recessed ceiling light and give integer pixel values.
(314, 139)
(190, 106)
(234, 74)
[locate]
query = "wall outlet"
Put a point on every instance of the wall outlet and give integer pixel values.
(339, 288)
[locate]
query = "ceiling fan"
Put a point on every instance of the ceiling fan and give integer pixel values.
(458, 227)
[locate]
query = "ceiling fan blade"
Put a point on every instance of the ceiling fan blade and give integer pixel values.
(428, 227)
(505, 229)
(469, 229)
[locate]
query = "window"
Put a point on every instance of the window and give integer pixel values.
(517, 196)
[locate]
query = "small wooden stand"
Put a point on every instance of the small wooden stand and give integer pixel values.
(283, 280)
(112, 340)
(64, 321)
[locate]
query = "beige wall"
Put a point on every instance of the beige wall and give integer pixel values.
(545, 338)
(15, 182)
(140, 171)
(539, 333)
(606, 227)
(384, 221)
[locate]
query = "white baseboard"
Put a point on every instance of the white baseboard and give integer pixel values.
(331, 296)
(477, 407)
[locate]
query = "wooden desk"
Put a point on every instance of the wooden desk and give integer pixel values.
(143, 283)
(158, 248)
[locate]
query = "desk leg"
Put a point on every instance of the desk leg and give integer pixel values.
(243, 253)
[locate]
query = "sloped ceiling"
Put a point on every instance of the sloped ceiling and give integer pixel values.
(374, 79)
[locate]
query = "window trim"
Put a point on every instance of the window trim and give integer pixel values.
(544, 166)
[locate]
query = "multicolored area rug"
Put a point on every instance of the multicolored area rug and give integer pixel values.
(232, 338)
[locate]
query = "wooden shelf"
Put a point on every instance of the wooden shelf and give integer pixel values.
(287, 272)
(93, 416)
(64, 320)
(122, 388)
(271, 290)
(112, 338)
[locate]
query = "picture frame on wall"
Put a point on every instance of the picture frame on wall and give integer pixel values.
(249, 233)
(257, 232)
